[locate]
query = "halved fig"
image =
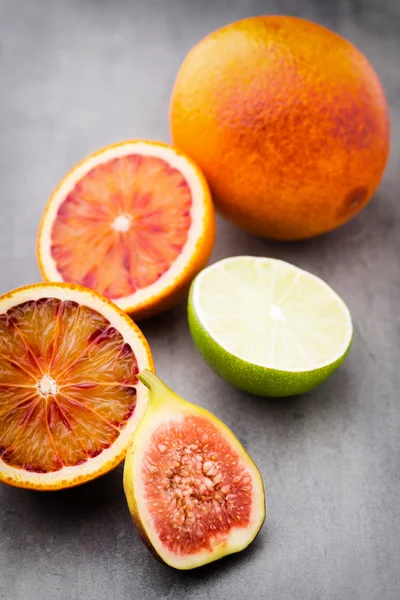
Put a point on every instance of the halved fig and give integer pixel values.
(194, 493)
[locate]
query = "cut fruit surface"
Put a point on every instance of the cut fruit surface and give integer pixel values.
(134, 221)
(268, 326)
(193, 492)
(69, 394)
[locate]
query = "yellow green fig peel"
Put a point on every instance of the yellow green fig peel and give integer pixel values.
(194, 493)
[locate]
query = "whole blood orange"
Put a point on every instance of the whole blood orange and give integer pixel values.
(69, 394)
(287, 120)
(133, 221)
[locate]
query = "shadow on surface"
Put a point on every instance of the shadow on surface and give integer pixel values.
(201, 576)
(231, 562)
(165, 320)
(376, 222)
(84, 502)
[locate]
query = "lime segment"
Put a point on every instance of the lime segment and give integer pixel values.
(270, 315)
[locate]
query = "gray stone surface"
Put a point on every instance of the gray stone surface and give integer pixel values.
(76, 75)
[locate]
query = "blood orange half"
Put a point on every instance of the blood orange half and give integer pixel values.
(134, 222)
(69, 394)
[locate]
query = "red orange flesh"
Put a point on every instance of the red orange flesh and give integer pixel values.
(135, 212)
(67, 384)
(133, 221)
(68, 387)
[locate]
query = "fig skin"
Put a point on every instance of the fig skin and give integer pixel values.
(164, 405)
(133, 509)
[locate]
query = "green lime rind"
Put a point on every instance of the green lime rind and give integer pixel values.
(255, 379)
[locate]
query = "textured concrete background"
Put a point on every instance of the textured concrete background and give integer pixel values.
(76, 75)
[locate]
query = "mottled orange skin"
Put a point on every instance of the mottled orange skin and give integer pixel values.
(287, 120)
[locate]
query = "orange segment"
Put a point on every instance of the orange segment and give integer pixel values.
(11, 341)
(134, 222)
(106, 358)
(111, 403)
(76, 324)
(68, 381)
(25, 439)
(29, 318)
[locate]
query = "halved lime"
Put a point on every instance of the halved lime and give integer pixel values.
(267, 326)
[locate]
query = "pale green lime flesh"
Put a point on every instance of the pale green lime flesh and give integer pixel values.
(268, 327)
